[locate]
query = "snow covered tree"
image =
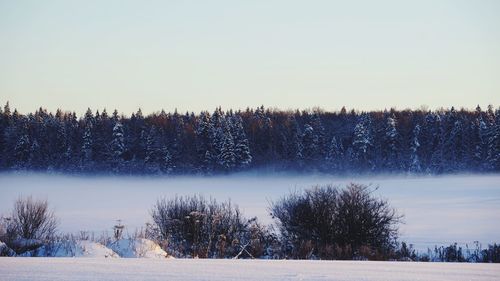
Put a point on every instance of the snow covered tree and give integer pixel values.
(335, 156)
(309, 145)
(392, 142)
(117, 146)
(167, 165)
(204, 132)
(261, 135)
(227, 157)
(87, 144)
(436, 164)
(294, 144)
(449, 141)
(319, 135)
(154, 153)
(415, 166)
(243, 158)
(362, 144)
(453, 142)
(219, 129)
(490, 134)
(36, 156)
(22, 151)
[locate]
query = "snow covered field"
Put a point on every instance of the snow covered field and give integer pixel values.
(438, 210)
(52, 269)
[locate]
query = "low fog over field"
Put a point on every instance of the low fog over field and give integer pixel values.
(437, 210)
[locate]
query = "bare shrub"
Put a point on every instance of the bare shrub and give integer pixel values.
(332, 223)
(31, 225)
(196, 227)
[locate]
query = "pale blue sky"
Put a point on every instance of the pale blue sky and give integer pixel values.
(289, 54)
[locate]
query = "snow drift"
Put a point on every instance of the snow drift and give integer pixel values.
(124, 248)
(5, 251)
(137, 248)
(78, 248)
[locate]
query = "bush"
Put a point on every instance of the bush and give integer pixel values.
(332, 223)
(30, 226)
(195, 227)
(492, 254)
(407, 253)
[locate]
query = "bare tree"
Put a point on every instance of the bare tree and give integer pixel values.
(333, 223)
(194, 226)
(31, 224)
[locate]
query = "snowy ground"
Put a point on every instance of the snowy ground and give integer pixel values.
(438, 210)
(53, 269)
(123, 248)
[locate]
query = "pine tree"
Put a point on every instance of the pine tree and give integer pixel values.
(294, 145)
(36, 156)
(136, 141)
(117, 146)
(243, 158)
(22, 151)
(335, 156)
(87, 145)
(217, 137)
(309, 145)
(415, 166)
(443, 141)
(153, 152)
(262, 136)
(453, 143)
(71, 155)
(392, 143)
(490, 133)
(61, 142)
(436, 153)
(319, 135)
(227, 157)
(6, 109)
(167, 165)
(362, 144)
(204, 142)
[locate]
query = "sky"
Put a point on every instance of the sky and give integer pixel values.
(197, 55)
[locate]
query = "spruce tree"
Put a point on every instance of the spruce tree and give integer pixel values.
(309, 145)
(415, 165)
(392, 142)
(117, 146)
(335, 156)
(242, 154)
(227, 157)
(362, 144)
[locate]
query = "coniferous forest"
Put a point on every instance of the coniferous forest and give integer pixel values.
(389, 141)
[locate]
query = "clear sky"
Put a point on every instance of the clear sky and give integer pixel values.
(196, 55)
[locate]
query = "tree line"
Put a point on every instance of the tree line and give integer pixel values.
(393, 141)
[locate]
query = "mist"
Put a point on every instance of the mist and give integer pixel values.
(437, 210)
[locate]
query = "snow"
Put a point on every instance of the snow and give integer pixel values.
(137, 248)
(5, 250)
(438, 210)
(41, 269)
(79, 249)
(124, 248)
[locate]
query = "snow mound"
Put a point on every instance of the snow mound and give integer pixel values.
(79, 248)
(5, 251)
(137, 248)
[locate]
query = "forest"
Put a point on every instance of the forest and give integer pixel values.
(388, 141)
